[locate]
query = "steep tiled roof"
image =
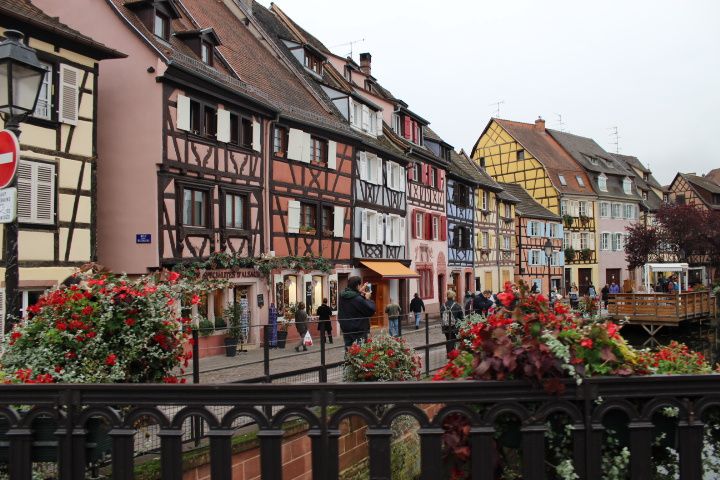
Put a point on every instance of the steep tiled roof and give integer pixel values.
(635, 163)
(430, 133)
(462, 168)
(702, 182)
(527, 206)
(550, 153)
(25, 12)
(714, 175)
(597, 162)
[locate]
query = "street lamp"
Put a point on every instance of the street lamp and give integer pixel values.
(21, 76)
(548, 247)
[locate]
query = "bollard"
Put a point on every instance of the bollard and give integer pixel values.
(323, 368)
(266, 352)
(196, 356)
(427, 344)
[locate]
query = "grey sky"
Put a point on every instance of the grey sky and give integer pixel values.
(649, 67)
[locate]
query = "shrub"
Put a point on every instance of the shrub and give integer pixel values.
(381, 359)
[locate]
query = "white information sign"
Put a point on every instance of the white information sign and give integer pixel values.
(8, 204)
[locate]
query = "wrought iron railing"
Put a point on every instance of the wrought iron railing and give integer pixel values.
(322, 408)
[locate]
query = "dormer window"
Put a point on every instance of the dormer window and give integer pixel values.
(627, 186)
(563, 182)
(313, 63)
(348, 73)
(580, 181)
(396, 125)
(602, 183)
(161, 26)
(206, 53)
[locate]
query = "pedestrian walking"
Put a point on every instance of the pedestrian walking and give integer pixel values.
(324, 325)
(450, 313)
(354, 311)
(393, 312)
(605, 295)
(469, 303)
(574, 297)
(301, 318)
(591, 291)
(417, 307)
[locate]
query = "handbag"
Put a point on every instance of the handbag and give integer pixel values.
(307, 341)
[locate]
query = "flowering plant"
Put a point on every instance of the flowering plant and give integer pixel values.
(676, 359)
(589, 306)
(101, 329)
(534, 341)
(381, 359)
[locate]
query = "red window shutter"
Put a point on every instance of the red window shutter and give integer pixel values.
(413, 220)
(426, 174)
(441, 179)
(428, 226)
(443, 228)
(410, 172)
(407, 132)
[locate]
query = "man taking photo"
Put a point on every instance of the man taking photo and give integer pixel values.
(354, 311)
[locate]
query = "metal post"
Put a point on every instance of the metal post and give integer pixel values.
(12, 270)
(427, 344)
(400, 320)
(266, 352)
(323, 368)
(196, 355)
(549, 277)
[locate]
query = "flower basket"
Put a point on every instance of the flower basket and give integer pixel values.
(586, 254)
(567, 220)
(569, 255)
(381, 359)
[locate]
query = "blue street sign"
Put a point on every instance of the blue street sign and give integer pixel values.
(143, 238)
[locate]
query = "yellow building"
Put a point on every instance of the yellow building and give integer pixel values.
(525, 154)
(56, 186)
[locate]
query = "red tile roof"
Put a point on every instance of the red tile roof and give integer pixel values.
(553, 157)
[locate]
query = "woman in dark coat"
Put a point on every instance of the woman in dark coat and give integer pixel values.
(324, 325)
(301, 318)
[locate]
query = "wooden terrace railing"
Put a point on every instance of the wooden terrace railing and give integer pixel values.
(661, 309)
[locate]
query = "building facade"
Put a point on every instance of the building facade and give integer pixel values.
(462, 181)
(56, 176)
(527, 155)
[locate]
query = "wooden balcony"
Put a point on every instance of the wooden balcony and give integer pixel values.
(659, 309)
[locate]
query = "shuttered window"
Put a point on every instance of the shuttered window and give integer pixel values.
(293, 216)
(69, 90)
(36, 192)
(43, 108)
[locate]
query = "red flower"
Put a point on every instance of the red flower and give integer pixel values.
(90, 335)
(195, 300)
(453, 354)
(612, 329)
(587, 343)
(62, 326)
(506, 298)
(173, 277)
(87, 310)
(129, 322)
(34, 308)
(111, 359)
(70, 355)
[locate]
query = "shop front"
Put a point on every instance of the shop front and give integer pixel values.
(389, 282)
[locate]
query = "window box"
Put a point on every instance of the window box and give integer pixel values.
(584, 220)
(308, 230)
(567, 220)
(586, 254)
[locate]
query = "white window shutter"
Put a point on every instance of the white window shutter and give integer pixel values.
(183, 113)
(388, 229)
(576, 241)
(257, 138)
(365, 238)
(339, 222)
(223, 124)
(293, 216)
(365, 118)
(379, 179)
(25, 191)
(380, 237)
(529, 228)
(558, 230)
(351, 109)
(541, 229)
(69, 94)
(307, 146)
(402, 231)
(296, 142)
(590, 208)
(403, 178)
(379, 123)
(388, 171)
(45, 192)
(362, 165)
(332, 155)
(591, 241)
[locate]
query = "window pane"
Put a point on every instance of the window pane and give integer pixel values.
(187, 206)
(229, 210)
(159, 27)
(42, 109)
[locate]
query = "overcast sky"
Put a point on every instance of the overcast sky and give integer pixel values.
(649, 67)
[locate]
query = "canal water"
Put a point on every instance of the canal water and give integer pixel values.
(703, 337)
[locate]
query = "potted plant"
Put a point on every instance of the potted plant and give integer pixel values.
(282, 331)
(586, 254)
(232, 317)
(205, 327)
(584, 219)
(567, 220)
(569, 255)
(307, 230)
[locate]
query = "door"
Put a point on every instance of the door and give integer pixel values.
(488, 282)
(468, 281)
(585, 277)
(612, 275)
(379, 295)
(404, 300)
(242, 295)
(441, 289)
(568, 280)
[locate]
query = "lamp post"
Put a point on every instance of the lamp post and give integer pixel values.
(548, 247)
(21, 76)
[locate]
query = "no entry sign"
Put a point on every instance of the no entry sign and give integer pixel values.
(9, 153)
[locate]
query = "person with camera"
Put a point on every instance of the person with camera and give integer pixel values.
(354, 311)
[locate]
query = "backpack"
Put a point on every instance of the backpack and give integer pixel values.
(448, 317)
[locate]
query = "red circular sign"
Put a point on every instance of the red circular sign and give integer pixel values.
(9, 152)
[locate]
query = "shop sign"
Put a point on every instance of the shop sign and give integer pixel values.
(232, 274)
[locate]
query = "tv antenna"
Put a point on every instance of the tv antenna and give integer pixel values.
(616, 136)
(351, 43)
(497, 107)
(559, 122)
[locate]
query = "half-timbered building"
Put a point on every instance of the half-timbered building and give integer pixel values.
(377, 168)
(462, 181)
(183, 169)
(526, 154)
(618, 204)
(56, 184)
(534, 226)
(649, 189)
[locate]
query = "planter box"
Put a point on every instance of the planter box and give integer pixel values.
(210, 346)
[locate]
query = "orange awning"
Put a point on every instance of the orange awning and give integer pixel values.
(391, 269)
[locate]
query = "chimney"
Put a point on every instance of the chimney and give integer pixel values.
(365, 61)
(540, 124)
